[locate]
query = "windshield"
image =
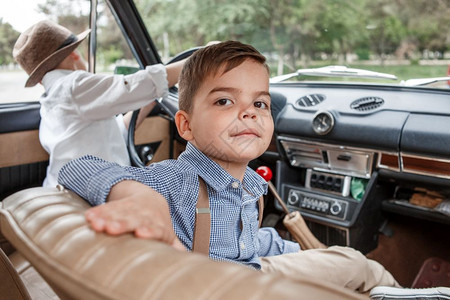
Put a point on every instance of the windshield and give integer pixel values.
(396, 42)
(405, 39)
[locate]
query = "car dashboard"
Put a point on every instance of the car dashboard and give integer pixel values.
(352, 152)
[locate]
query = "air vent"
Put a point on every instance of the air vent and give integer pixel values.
(309, 100)
(367, 103)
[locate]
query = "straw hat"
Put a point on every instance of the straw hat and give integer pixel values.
(42, 47)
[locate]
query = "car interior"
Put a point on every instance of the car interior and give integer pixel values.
(366, 165)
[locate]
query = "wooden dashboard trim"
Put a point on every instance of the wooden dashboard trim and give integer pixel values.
(426, 166)
(388, 161)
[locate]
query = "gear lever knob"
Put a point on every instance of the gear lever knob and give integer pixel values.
(264, 172)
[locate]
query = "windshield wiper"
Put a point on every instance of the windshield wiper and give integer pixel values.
(334, 71)
(423, 81)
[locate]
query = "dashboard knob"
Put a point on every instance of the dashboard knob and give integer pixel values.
(293, 199)
(335, 208)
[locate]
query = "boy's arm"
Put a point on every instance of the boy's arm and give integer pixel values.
(134, 207)
(272, 244)
(118, 93)
(92, 177)
(173, 72)
(130, 206)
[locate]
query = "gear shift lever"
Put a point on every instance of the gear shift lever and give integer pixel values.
(266, 173)
(293, 221)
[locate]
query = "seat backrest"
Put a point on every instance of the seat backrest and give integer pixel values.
(48, 227)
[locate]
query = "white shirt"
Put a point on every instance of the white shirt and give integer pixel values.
(78, 113)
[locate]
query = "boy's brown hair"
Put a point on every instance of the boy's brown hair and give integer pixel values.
(207, 62)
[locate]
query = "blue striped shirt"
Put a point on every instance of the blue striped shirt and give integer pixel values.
(232, 202)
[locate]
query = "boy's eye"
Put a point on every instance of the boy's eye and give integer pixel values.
(223, 102)
(261, 104)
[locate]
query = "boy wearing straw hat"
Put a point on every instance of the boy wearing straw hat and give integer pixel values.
(81, 112)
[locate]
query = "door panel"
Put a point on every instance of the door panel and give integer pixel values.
(21, 147)
(155, 132)
(23, 161)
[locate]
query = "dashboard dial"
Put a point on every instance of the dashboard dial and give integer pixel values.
(323, 122)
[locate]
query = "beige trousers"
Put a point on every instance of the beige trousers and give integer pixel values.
(342, 266)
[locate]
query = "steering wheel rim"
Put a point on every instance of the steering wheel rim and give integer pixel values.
(135, 159)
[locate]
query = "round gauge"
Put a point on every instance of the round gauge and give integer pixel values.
(323, 122)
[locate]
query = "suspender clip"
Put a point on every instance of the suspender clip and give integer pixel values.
(202, 210)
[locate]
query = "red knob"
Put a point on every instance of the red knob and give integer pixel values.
(264, 172)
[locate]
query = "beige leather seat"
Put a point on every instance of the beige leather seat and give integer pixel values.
(48, 228)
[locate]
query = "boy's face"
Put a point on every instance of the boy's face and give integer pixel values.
(231, 120)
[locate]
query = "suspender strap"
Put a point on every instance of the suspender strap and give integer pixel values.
(202, 230)
(260, 210)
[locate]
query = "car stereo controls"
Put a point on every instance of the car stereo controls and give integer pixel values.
(318, 204)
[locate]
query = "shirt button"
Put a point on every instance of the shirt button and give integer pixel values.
(242, 246)
(235, 184)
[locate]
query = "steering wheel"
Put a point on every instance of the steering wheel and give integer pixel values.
(142, 157)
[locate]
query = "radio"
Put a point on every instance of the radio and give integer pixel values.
(324, 199)
(318, 204)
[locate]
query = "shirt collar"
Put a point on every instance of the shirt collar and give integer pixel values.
(50, 77)
(216, 177)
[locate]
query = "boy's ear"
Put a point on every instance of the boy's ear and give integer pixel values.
(183, 125)
(74, 55)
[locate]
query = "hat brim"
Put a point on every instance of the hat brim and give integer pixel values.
(53, 60)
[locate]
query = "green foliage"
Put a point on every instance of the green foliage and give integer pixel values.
(291, 33)
(110, 41)
(414, 61)
(362, 53)
(110, 56)
(302, 30)
(8, 37)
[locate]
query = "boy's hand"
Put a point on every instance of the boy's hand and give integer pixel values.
(134, 207)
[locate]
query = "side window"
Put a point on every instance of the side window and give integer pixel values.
(12, 77)
(112, 49)
(14, 19)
